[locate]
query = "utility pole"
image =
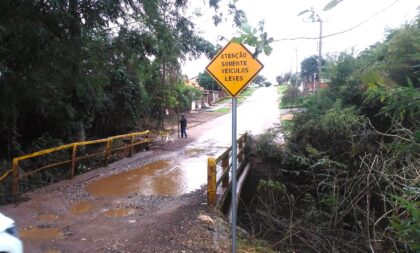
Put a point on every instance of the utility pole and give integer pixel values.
(316, 18)
(319, 53)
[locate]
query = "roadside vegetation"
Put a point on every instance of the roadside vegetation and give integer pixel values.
(291, 97)
(82, 70)
(73, 70)
(347, 178)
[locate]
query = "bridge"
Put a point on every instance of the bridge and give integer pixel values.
(145, 191)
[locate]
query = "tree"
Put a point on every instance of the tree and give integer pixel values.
(279, 80)
(259, 79)
(66, 72)
(309, 69)
(207, 82)
(402, 49)
(294, 79)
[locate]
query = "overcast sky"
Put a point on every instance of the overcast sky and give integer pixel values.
(281, 21)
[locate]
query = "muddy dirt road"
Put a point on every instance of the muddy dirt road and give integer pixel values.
(151, 202)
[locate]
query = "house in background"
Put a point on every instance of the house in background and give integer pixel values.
(311, 87)
(209, 96)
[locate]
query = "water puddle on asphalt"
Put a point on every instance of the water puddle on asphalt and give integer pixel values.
(47, 217)
(40, 234)
(160, 178)
(193, 152)
(81, 207)
(120, 212)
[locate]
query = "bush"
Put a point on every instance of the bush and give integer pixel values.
(407, 223)
(291, 97)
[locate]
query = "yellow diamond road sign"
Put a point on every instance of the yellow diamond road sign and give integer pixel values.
(234, 67)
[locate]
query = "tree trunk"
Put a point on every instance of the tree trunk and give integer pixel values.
(75, 61)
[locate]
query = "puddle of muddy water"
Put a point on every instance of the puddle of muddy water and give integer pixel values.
(47, 217)
(120, 212)
(160, 178)
(193, 152)
(41, 234)
(81, 207)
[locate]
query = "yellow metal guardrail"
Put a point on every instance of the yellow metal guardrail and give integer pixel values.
(133, 139)
(224, 180)
(4, 176)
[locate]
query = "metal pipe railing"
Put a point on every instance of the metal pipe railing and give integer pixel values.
(134, 139)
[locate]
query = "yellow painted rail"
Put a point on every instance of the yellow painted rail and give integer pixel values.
(129, 141)
(223, 181)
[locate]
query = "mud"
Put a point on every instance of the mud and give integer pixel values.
(47, 217)
(41, 234)
(81, 207)
(121, 212)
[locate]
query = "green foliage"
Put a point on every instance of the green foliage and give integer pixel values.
(266, 146)
(355, 144)
(69, 75)
(207, 82)
(401, 103)
(331, 4)
(255, 37)
(332, 130)
(291, 97)
(185, 94)
(309, 68)
(281, 89)
(317, 104)
(341, 120)
(279, 80)
(408, 224)
(254, 245)
(259, 79)
(402, 54)
(270, 185)
(341, 70)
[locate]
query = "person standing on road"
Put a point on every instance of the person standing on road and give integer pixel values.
(183, 123)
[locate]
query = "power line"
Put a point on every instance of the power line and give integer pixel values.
(341, 32)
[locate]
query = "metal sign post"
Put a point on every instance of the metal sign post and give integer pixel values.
(234, 176)
(233, 68)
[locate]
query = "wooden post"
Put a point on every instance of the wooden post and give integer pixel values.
(15, 170)
(225, 167)
(107, 151)
(132, 145)
(73, 161)
(211, 182)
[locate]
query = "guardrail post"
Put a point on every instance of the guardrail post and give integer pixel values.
(73, 160)
(132, 146)
(107, 151)
(211, 181)
(15, 170)
(148, 141)
(225, 167)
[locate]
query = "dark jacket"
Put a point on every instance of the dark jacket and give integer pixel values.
(183, 122)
